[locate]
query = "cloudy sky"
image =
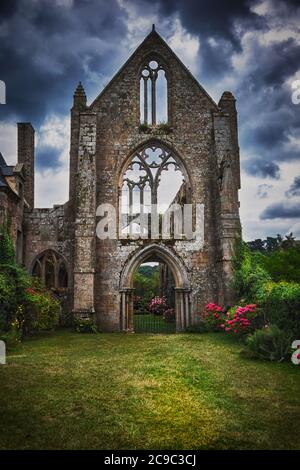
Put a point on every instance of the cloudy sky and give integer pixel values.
(251, 48)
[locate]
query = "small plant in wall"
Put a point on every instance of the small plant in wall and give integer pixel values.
(145, 128)
(164, 128)
(160, 128)
(84, 325)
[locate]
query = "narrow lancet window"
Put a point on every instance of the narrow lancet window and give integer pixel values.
(153, 94)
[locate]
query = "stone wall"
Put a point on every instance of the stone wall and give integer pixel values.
(46, 229)
(104, 135)
(200, 134)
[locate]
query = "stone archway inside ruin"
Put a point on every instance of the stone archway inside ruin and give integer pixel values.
(52, 269)
(179, 273)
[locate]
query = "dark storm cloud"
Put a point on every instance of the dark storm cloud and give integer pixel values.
(281, 210)
(261, 91)
(7, 8)
(294, 189)
(47, 47)
(261, 168)
(211, 17)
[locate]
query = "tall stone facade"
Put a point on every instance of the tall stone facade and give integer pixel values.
(106, 135)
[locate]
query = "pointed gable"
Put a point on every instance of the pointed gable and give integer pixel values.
(154, 45)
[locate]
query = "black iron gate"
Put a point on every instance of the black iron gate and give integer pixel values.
(151, 323)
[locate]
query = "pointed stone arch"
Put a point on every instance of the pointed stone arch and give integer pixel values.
(182, 285)
(58, 277)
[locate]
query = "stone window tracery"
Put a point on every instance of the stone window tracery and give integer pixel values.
(152, 180)
(153, 94)
(51, 268)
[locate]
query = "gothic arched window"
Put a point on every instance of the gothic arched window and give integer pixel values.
(152, 181)
(50, 267)
(153, 94)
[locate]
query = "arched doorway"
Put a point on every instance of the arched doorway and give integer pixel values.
(163, 255)
(154, 297)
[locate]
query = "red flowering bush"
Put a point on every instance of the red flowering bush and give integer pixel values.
(213, 318)
(158, 305)
(240, 320)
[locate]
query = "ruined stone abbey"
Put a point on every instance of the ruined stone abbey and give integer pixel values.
(124, 154)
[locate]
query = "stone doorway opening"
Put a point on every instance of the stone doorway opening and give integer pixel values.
(172, 268)
(154, 298)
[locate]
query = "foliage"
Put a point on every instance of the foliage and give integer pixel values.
(212, 318)
(249, 275)
(25, 306)
(85, 325)
(267, 279)
(270, 343)
(271, 244)
(283, 264)
(164, 127)
(145, 128)
(241, 321)
(140, 304)
(146, 283)
(42, 310)
(13, 283)
(148, 271)
(238, 320)
(7, 254)
(158, 305)
(12, 334)
(280, 303)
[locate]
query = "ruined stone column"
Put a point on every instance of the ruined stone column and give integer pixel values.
(26, 156)
(226, 149)
(85, 224)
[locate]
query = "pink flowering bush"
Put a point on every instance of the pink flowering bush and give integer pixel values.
(213, 317)
(240, 320)
(158, 305)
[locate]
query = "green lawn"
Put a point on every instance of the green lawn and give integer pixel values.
(137, 391)
(152, 324)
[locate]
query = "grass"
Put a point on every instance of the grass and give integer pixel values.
(120, 391)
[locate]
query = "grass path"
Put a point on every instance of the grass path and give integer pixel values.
(118, 391)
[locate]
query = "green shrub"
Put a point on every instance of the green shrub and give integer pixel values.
(280, 303)
(13, 283)
(283, 264)
(7, 253)
(12, 334)
(42, 311)
(85, 325)
(270, 343)
(249, 274)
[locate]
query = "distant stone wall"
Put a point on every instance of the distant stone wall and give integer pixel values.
(46, 229)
